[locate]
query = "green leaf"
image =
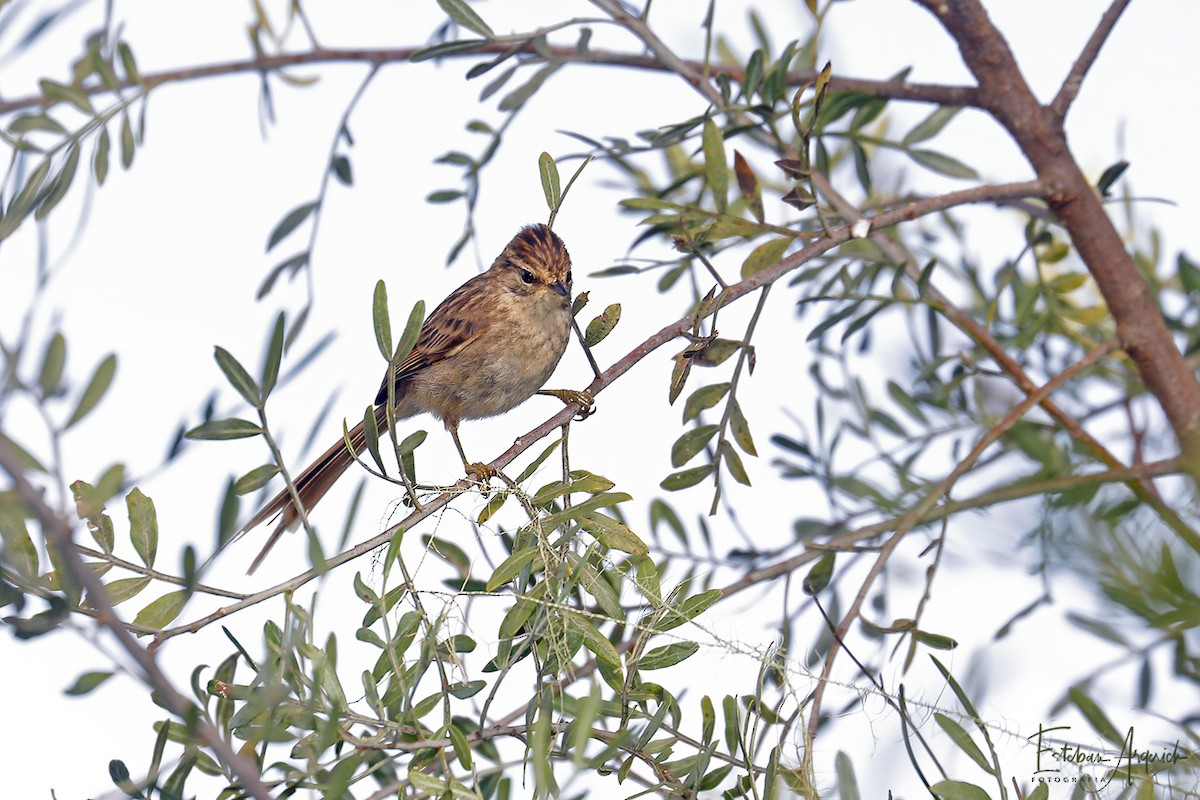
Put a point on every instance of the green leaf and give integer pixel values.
(518, 97)
(255, 479)
(704, 398)
(100, 156)
(340, 166)
(602, 325)
(593, 640)
(668, 655)
(122, 589)
(143, 525)
(446, 48)
(128, 142)
(550, 182)
(943, 164)
(821, 573)
(765, 255)
(512, 566)
(270, 371)
(464, 15)
(716, 170)
(72, 95)
(964, 741)
(685, 478)
(290, 222)
(237, 376)
(613, 534)
(733, 463)
(741, 430)
(958, 790)
(1095, 716)
(689, 609)
(87, 682)
(1110, 176)
(691, 443)
(847, 783)
(96, 387)
(935, 640)
(53, 362)
(383, 325)
(412, 330)
(224, 429)
(930, 126)
(163, 610)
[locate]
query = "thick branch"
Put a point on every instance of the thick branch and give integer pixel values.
(1039, 133)
(58, 535)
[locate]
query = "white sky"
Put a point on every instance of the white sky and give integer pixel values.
(171, 255)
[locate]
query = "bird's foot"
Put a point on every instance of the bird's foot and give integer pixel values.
(584, 398)
(481, 472)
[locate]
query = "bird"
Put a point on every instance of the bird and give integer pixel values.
(488, 347)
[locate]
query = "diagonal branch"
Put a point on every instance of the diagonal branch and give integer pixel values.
(917, 512)
(1038, 131)
(1074, 80)
(903, 213)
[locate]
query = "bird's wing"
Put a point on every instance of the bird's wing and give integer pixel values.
(454, 324)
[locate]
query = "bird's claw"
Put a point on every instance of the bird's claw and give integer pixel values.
(583, 397)
(481, 472)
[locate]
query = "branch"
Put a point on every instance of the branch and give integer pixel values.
(1144, 490)
(905, 212)
(58, 535)
(896, 90)
(914, 515)
(1038, 131)
(1087, 57)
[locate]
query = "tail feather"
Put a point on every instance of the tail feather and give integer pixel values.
(311, 485)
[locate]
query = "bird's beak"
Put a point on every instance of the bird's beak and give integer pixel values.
(562, 289)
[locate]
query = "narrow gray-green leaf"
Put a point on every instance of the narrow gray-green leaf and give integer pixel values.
(143, 525)
(964, 741)
(270, 372)
(703, 398)
(255, 479)
(691, 443)
(96, 387)
(231, 428)
(715, 167)
(550, 181)
(943, 164)
(87, 682)
(237, 376)
(464, 15)
(163, 610)
(930, 126)
(668, 655)
(52, 365)
(383, 324)
(290, 222)
(685, 478)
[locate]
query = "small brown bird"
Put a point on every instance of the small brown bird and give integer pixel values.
(486, 349)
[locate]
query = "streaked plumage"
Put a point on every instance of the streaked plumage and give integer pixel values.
(488, 347)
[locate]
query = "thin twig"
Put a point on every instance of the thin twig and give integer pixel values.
(917, 512)
(58, 534)
(1079, 70)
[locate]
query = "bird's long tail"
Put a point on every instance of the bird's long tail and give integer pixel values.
(311, 485)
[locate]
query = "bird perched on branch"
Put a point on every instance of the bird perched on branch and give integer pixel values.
(487, 348)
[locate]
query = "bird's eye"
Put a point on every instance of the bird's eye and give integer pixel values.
(569, 276)
(527, 276)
